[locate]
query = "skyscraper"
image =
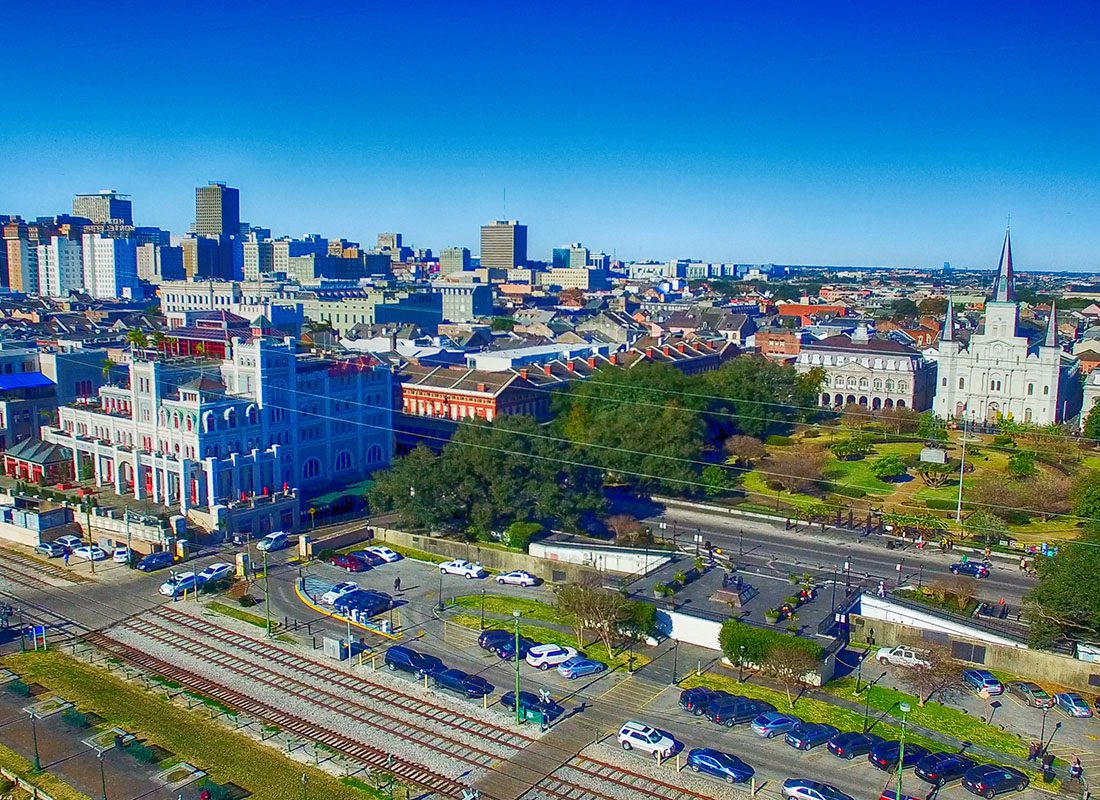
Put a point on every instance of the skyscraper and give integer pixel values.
(454, 259)
(217, 210)
(106, 205)
(60, 267)
(110, 266)
(504, 244)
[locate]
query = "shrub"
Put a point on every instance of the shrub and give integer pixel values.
(680, 577)
(143, 753)
(757, 641)
(19, 687)
(812, 433)
(937, 504)
(779, 441)
(247, 601)
(854, 492)
(1003, 440)
(519, 534)
(74, 718)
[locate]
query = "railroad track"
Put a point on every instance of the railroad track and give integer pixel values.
(20, 578)
(38, 566)
(377, 758)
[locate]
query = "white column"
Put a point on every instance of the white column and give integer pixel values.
(139, 484)
(156, 479)
(97, 466)
(211, 481)
(185, 487)
(118, 470)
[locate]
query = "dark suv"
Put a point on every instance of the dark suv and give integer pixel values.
(695, 701)
(730, 711)
(155, 561)
(408, 660)
(939, 769)
(366, 601)
(492, 638)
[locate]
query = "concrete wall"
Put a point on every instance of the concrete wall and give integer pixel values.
(689, 629)
(879, 608)
(1048, 668)
(605, 559)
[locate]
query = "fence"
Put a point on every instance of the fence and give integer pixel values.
(25, 785)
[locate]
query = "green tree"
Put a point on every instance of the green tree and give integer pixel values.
(1085, 494)
(986, 527)
(889, 467)
(759, 397)
(1021, 464)
(716, 480)
(519, 534)
(903, 308)
(853, 446)
(1091, 429)
(931, 428)
(933, 306)
(502, 324)
(137, 338)
(1062, 606)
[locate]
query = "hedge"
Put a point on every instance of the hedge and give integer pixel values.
(779, 441)
(848, 491)
(941, 505)
(758, 642)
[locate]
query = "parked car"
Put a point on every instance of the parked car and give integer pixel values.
(406, 659)
(809, 735)
(1072, 704)
(533, 702)
(461, 566)
(179, 583)
(804, 789)
(69, 542)
(1031, 693)
(507, 648)
(122, 555)
(385, 553)
(330, 597)
(902, 656)
(712, 762)
(464, 684)
(735, 710)
(349, 562)
(983, 680)
(369, 558)
(885, 755)
(852, 744)
(90, 552)
(638, 736)
(215, 572)
(273, 541)
(695, 701)
(975, 569)
(50, 549)
(492, 638)
(366, 602)
(772, 723)
(517, 577)
(579, 666)
(545, 656)
(989, 780)
(155, 561)
(940, 769)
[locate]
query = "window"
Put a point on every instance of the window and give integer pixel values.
(1046, 390)
(311, 469)
(1031, 389)
(343, 461)
(962, 383)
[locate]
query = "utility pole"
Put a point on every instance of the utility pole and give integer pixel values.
(267, 599)
(129, 553)
(34, 736)
(962, 468)
(904, 708)
(515, 614)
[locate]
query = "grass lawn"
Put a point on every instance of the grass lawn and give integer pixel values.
(858, 473)
(540, 633)
(501, 604)
(226, 755)
(51, 785)
(241, 614)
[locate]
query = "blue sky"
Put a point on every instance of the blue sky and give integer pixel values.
(850, 133)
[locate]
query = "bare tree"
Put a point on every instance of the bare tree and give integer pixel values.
(609, 611)
(744, 450)
(1047, 494)
(627, 529)
(899, 420)
(796, 471)
(940, 674)
(855, 416)
(789, 664)
(959, 589)
(588, 606)
(574, 602)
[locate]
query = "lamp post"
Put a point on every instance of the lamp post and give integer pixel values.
(832, 601)
(867, 700)
(741, 665)
(482, 608)
(515, 614)
(267, 596)
(1043, 729)
(847, 573)
(904, 708)
(439, 605)
(102, 778)
(920, 576)
(34, 737)
(304, 786)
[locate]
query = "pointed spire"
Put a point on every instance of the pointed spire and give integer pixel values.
(1052, 327)
(1004, 285)
(948, 332)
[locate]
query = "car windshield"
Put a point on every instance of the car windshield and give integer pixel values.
(653, 737)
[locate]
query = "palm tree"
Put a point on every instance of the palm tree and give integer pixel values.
(137, 338)
(156, 339)
(108, 365)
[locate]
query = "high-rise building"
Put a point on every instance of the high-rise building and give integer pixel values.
(259, 258)
(60, 267)
(560, 258)
(21, 244)
(578, 256)
(157, 263)
(217, 210)
(110, 266)
(207, 257)
(389, 241)
(106, 205)
(454, 259)
(504, 244)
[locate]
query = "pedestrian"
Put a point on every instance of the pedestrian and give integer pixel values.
(1033, 751)
(67, 552)
(1023, 565)
(397, 585)
(1076, 771)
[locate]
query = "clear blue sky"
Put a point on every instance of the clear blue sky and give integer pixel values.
(873, 133)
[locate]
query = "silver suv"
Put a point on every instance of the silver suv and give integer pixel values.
(649, 740)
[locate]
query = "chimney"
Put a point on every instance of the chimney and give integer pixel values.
(546, 370)
(681, 347)
(614, 358)
(591, 362)
(665, 349)
(569, 365)
(481, 386)
(649, 353)
(522, 374)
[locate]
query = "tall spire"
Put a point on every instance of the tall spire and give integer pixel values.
(1004, 285)
(948, 332)
(1052, 327)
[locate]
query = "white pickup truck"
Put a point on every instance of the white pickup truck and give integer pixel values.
(902, 656)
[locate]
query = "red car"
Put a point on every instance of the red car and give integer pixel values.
(350, 563)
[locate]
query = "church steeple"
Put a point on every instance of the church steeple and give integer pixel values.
(1004, 285)
(1052, 327)
(948, 332)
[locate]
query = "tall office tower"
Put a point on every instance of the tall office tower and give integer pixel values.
(280, 255)
(560, 258)
(207, 257)
(454, 259)
(504, 244)
(106, 205)
(110, 266)
(389, 241)
(60, 267)
(259, 258)
(578, 256)
(217, 210)
(21, 244)
(157, 263)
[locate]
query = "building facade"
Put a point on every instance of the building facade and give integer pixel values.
(217, 210)
(504, 244)
(454, 259)
(464, 301)
(110, 266)
(105, 206)
(1002, 372)
(60, 267)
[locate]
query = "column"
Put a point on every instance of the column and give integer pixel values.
(211, 481)
(185, 487)
(156, 479)
(139, 482)
(76, 461)
(118, 470)
(97, 466)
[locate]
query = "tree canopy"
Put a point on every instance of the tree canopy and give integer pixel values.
(1065, 604)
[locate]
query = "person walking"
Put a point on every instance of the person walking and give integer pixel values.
(1076, 771)
(1033, 751)
(397, 585)
(67, 553)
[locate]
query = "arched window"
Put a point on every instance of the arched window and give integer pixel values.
(208, 422)
(863, 383)
(343, 461)
(903, 386)
(190, 422)
(374, 454)
(851, 383)
(231, 417)
(878, 385)
(311, 469)
(839, 382)
(889, 386)
(1030, 389)
(1046, 390)
(962, 383)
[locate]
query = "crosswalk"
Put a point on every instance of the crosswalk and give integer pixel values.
(632, 693)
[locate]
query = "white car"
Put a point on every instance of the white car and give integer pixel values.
(330, 597)
(122, 555)
(90, 553)
(384, 553)
(902, 656)
(636, 735)
(179, 583)
(273, 541)
(545, 656)
(517, 577)
(461, 566)
(70, 542)
(214, 572)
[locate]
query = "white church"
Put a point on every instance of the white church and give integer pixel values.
(1002, 372)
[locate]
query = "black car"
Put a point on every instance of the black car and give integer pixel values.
(406, 659)
(154, 561)
(989, 780)
(365, 601)
(940, 769)
(458, 681)
(507, 648)
(809, 735)
(733, 710)
(885, 755)
(492, 638)
(527, 700)
(695, 701)
(850, 745)
(373, 559)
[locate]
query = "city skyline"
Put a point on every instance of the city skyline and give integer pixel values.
(838, 136)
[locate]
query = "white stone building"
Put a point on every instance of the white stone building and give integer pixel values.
(1002, 372)
(60, 267)
(110, 266)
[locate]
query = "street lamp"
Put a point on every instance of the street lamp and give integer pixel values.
(102, 779)
(847, 573)
(303, 786)
(267, 596)
(439, 605)
(867, 700)
(741, 665)
(515, 614)
(1043, 729)
(34, 736)
(832, 601)
(904, 708)
(482, 608)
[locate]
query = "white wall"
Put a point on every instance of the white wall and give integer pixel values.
(610, 559)
(873, 607)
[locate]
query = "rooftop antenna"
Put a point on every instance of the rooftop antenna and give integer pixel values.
(1008, 222)
(506, 202)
